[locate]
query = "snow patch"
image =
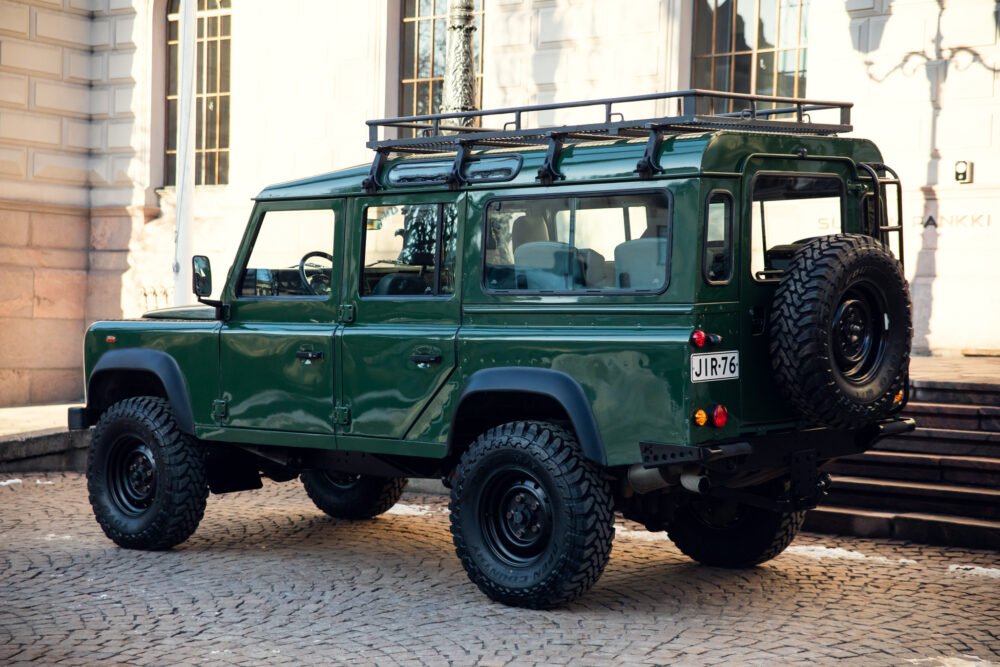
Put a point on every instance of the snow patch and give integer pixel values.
(39, 482)
(8, 482)
(403, 509)
(643, 535)
(991, 572)
(845, 554)
(944, 661)
(52, 536)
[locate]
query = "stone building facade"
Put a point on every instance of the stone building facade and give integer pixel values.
(86, 224)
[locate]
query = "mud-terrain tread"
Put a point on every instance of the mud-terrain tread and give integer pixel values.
(592, 510)
(723, 548)
(182, 509)
(799, 348)
(377, 496)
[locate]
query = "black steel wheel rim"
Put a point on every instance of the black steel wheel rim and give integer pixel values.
(859, 332)
(515, 515)
(132, 475)
(341, 480)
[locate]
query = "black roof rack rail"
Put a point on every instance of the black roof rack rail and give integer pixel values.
(464, 131)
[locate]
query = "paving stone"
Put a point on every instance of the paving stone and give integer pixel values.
(267, 578)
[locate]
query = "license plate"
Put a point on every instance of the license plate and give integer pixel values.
(715, 366)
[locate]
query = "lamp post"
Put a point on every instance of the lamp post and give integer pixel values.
(460, 78)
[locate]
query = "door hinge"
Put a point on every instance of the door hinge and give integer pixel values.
(342, 414)
(345, 313)
(220, 410)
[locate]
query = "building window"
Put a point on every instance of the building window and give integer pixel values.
(211, 93)
(750, 46)
(422, 60)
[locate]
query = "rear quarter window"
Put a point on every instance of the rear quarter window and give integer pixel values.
(585, 244)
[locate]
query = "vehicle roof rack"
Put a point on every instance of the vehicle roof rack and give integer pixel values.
(464, 131)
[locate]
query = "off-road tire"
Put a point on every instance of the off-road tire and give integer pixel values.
(159, 504)
(833, 356)
(353, 497)
(754, 536)
(565, 495)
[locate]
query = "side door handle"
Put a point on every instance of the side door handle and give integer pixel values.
(309, 355)
(424, 360)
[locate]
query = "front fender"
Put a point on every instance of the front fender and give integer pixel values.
(155, 362)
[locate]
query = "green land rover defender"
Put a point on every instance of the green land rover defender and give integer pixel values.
(678, 318)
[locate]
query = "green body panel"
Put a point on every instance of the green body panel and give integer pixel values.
(194, 344)
(299, 392)
(630, 353)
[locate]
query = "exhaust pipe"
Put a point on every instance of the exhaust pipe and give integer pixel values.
(695, 483)
(645, 480)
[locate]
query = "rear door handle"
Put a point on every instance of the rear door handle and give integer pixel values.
(425, 360)
(309, 355)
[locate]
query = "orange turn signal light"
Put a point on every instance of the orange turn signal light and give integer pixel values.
(700, 417)
(110, 339)
(898, 398)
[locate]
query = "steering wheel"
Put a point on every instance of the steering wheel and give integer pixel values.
(318, 283)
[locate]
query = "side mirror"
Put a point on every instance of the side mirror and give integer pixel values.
(201, 276)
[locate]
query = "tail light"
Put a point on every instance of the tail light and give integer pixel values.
(698, 338)
(719, 416)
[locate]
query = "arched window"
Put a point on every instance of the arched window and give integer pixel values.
(212, 91)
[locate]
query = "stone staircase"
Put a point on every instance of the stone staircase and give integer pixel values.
(938, 485)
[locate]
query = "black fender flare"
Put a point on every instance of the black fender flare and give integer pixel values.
(557, 385)
(158, 363)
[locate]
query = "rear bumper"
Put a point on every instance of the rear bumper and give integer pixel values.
(774, 450)
(732, 467)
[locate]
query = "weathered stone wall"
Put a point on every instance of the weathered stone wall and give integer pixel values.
(73, 182)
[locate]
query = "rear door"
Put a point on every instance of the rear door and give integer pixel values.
(398, 347)
(784, 202)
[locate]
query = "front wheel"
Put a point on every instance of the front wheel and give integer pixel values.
(345, 496)
(531, 518)
(145, 477)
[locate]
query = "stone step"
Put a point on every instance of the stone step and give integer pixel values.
(44, 451)
(971, 470)
(944, 442)
(926, 528)
(973, 502)
(955, 416)
(960, 393)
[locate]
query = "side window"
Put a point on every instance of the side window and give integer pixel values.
(786, 211)
(717, 265)
(291, 255)
(578, 244)
(409, 250)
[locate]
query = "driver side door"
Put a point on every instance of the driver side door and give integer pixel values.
(276, 347)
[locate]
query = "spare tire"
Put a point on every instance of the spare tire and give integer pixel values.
(840, 330)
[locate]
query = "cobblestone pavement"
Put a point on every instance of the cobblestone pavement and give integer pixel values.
(268, 578)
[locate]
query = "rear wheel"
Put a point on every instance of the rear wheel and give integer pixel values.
(146, 478)
(346, 496)
(532, 519)
(726, 534)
